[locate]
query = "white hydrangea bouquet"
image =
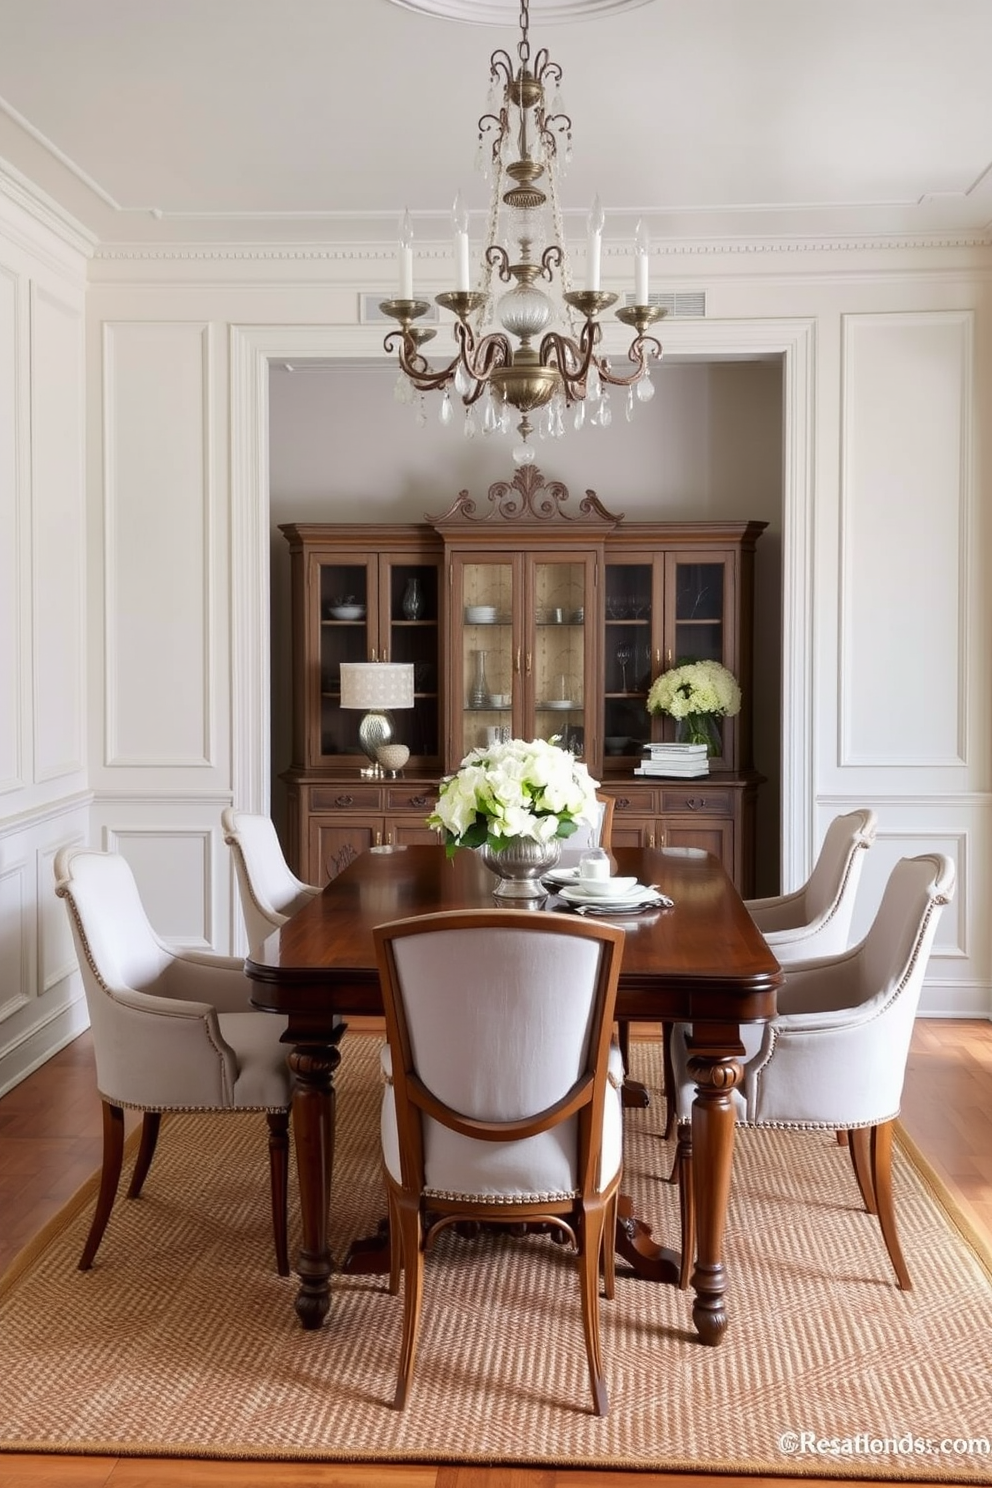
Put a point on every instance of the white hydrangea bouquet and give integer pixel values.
(504, 792)
(694, 694)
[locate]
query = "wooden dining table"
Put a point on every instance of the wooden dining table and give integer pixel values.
(701, 962)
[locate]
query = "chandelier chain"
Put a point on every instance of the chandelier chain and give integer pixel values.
(523, 48)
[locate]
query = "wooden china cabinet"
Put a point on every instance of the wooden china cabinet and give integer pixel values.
(529, 614)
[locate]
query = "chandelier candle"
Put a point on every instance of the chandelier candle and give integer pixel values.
(406, 257)
(641, 250)
(524, 349)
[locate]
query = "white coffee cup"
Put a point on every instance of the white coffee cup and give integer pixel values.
(594, 864)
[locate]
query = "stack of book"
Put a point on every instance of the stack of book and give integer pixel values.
(682, 760)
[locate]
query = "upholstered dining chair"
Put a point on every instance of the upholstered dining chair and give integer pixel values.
(502, 1102)
(834, 1056)
(269, 891)
(812, 921)
(815, 920)
(172, 1031)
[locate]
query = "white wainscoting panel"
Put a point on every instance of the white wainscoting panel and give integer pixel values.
(159, 574)
(58, 536)
(906, 499)
(174, 872)
(11, 539)
(14, 949)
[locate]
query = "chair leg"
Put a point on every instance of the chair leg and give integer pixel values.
(609, 1246)
(669, 1073)
(278, 1184)
(412, 1251)
(881, 1172)
(623, 1040)
(687, 1203)
(593, 1220)
(395, 1242)
(150, 1123)
(859, 1143)
(113, 1154)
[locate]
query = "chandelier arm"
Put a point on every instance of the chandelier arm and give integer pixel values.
(638, 352)
(570, 359)
(425, 378)
(551, 258)
(545, 69)
(497, 257)
(501, 66)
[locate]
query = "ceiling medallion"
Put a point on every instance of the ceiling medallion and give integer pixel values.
(504, 12)
(523, 143)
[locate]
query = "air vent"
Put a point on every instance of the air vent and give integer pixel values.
(370, 314)
(685, 305)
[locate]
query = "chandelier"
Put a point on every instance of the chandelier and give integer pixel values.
(545, 358)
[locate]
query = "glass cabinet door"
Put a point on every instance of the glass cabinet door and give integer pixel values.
(523, 666)
(346, 593)
(698, 603)
(410, 631)
(384, 609)
(558, 664)
(486, 697)
(632, 641)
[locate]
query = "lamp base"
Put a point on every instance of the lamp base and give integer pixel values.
(376, 729)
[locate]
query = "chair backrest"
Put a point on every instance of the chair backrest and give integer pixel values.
(499, 1026)
(817, 920)
(268, 890)
(114, 939)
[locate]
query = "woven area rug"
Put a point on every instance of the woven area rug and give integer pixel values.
(183, 1341)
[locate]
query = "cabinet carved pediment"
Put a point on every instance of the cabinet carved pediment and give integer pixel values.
(527, 500)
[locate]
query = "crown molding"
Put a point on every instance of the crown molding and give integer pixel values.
(45, 211)
(661, 249)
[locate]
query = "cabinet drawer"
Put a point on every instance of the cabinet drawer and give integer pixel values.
(636, 799)
(410, 798)
(701, 803)
(345, 797)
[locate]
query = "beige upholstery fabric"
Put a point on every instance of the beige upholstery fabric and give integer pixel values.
(170, 1030)
(269, 892)
(816, 919)
(835, 1054)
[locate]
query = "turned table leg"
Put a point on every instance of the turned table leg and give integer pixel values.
(716, 1072)
(313, 1069)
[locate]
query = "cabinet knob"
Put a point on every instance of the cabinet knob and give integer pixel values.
(621, 803)
(695, 803)
(344, 801)
(418, 800)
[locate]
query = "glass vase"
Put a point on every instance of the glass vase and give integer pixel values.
(700, 728)
(520, 866)
(413, 600)
(478, 696)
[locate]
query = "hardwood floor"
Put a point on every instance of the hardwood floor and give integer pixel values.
(50, 1132)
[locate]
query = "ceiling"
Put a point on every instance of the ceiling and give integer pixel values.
(320, 120)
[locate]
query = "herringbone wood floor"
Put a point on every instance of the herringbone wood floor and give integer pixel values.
(50, 1142)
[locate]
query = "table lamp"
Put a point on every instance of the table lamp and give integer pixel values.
(377, 687)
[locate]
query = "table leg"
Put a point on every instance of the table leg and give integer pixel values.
(716, 1072)
(313, 1069)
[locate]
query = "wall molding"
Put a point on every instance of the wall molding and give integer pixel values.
(252, 349)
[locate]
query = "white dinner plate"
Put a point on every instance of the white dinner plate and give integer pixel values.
(559, 704)
(642, 898)
(561, 875)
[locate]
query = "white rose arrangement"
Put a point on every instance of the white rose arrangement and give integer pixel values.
(693, 692)
(500, 792)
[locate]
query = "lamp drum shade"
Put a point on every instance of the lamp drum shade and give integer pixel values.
(376, 685)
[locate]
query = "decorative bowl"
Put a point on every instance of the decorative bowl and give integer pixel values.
(347, 612)
(615, 743)
(392, 756)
